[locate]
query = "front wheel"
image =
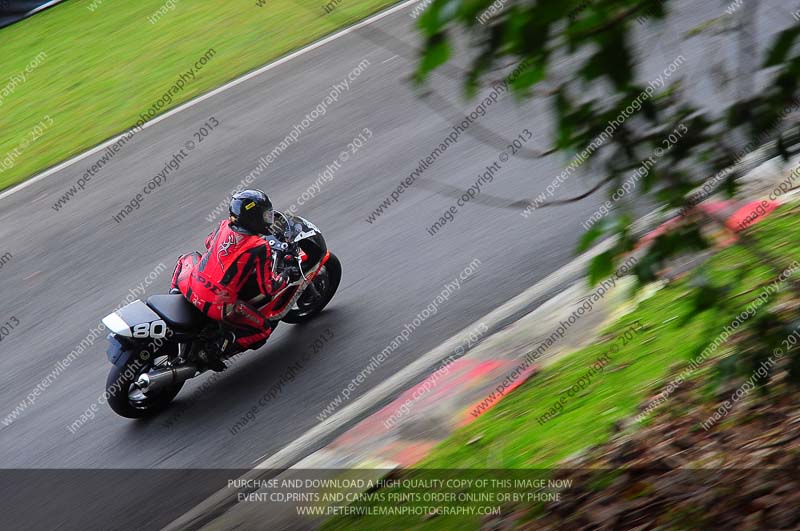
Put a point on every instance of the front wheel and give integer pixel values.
(128, 400)
(326, 283)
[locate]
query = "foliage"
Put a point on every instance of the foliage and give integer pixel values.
(601, 77)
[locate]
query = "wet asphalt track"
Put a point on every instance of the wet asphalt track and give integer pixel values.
(70, 268)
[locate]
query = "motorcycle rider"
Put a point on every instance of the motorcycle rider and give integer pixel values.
(234, 274)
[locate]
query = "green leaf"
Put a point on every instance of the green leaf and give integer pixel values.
(436, 53)
(438, 15)
(706, 295)
(616, 60)
(780, 48)
(782, 149)
(563, 108)
(532, 73)
(645, 268)
(589, 237)
(594, 67)
(601, 267)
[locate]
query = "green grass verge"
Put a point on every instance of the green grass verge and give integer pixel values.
(510, 436)
(100, 69)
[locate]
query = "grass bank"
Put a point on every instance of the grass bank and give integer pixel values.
(517, 434)
(85, 70)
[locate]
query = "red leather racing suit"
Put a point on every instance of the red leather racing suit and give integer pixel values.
(235, 270)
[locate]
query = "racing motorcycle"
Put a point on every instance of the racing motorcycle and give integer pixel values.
(157, 345)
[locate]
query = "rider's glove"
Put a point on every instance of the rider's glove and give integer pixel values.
(294, 272)
(290, 273)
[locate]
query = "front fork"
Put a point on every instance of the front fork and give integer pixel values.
(312, 291)
(311, 288)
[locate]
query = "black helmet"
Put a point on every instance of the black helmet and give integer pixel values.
(252, 211)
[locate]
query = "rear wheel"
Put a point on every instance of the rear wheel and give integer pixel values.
(326, 283)
(128, 400)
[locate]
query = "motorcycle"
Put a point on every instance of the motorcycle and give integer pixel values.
(154, 345)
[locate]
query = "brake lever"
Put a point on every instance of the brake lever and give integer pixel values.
(300, 268)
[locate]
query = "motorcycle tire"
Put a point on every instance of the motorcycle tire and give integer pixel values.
(304, 313)
(140, 405)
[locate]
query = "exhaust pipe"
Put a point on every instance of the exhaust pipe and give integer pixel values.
(161, 379)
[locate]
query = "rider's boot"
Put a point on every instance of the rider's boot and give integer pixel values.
(224, 347)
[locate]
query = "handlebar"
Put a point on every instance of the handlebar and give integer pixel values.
(287, 246)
